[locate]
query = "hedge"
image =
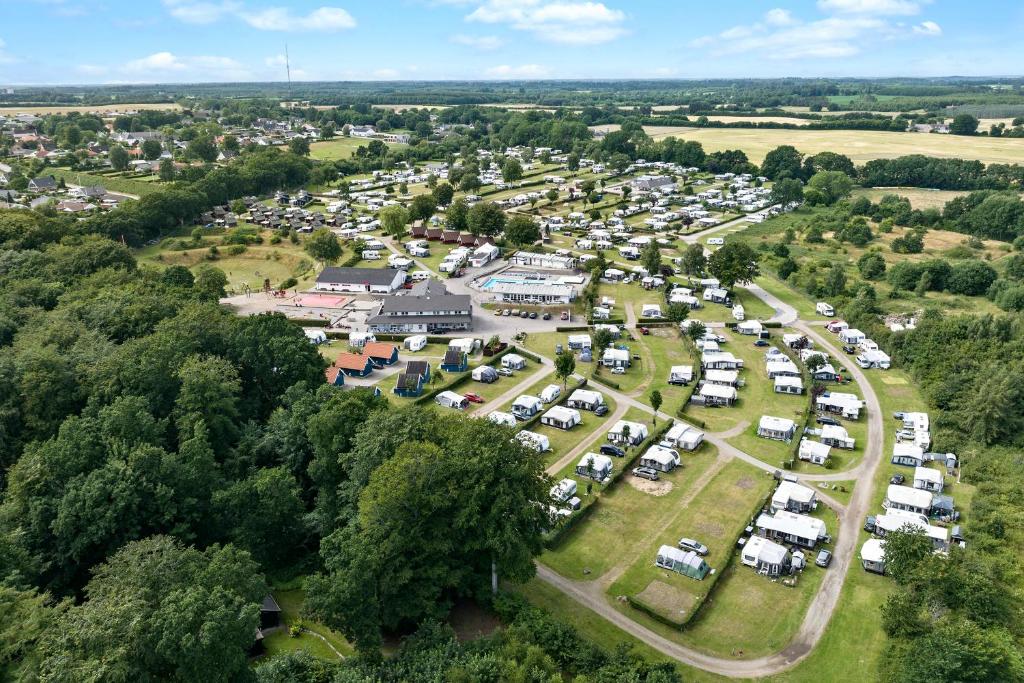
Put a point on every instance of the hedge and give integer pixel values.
(638, 604)
(458, 382)
(609, 321)
(606, 382)
(655, 322)
(572, 328)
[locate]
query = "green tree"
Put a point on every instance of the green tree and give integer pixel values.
(551, 195)
(443, 194)
(694, 261)
(210, 392)
(695, 330)
(118, 158)
(522, 230)
(787, 267)
(393, 219)
(299, 146)
(835, 281)
(735, 263)
(602, 340)
(272, 531)
(457, 216)
(486, 218)
(677, 312)
(511, 171)
(210, 283)
(422, 207)
(323, 245)
(151, 149)
(656, 403)
(964, 124)
(167, 171)
(871, 266)
(782, 162)
(905, 550)
(470, 182)
(203, 149)
(565, 366)
(787, 190)
(651, 258)
(828, 187)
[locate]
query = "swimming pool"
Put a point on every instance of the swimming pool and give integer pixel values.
(515, 279)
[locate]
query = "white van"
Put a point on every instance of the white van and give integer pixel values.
(716, 241)
(370, 255)
(824, 309)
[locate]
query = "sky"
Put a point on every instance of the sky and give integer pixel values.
(183, 41)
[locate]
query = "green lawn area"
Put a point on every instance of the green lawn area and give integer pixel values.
(280, 642)
(129, 185)
(563, 441)
(715, 517)
(341, 148)
(665, 348)
(625, 517)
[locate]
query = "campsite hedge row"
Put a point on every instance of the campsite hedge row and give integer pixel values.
(466, 377)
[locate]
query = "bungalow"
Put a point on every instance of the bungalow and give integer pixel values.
(381, 352)
(750, 327)
(777, 428)
(685, 562)
(720, 360)
(793, 497)
(373, 280)
(927, 479)
(847, 405)
(42, 184)
(335, 376)
(660, 458)
(409, 385)
(583, 399)
(725, 378)
(782, 366)
(767, 557)
(789, 385)
(561, 417)
(526, 406)
(680, 374)
(538, 442)
(872, 555)
(836, 435)
(852, 336)
(813, 452)
(717, 394)
(907, 498)
(594, 466)
(455, 360)
(418, 367)
(513, 361)
(354, 364)
(907, 454)
(683, 436)
(450, 236)
(624, 432)
(791, 527)
(615, 358)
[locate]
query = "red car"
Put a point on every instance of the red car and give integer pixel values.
(644, 331)
(474, 398)
(565, 315)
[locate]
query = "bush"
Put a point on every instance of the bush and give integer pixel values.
(236, 249)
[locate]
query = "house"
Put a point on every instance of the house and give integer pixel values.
(852, 336)
(584, 399)
(750, 327)
(782, 366)
(660, 458)
(725, 378)
(624, 432)
(594, 466)
(789, 385)
(847, 405)
(409, 385)
(790, 527)
(680, 374)
(455, 360)
(685, 562)
(381, 353)
(499, 418)
(513, 361)
(766, 557)
(813, 452)
(449, 399)
(615, 358)
(777, 428)
(354, 364)
(561, 417)
(872, 555)
(927, 479)
(717, 394)
(793, 497)
(270, 612)
(683, 436)
(907, 498)
(42, 184)
(538, 442)
(836, 435)
(373, 280)
(335, 376)
(427, 308)
(907, 454)
(526, 406)
(418, 367)
(485, 374)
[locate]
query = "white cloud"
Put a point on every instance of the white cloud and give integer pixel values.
(281, 19)
(479, 42)
(192, 12)
(201, 67)
(158, 61)
(569, 23)
(876, 7)
(779, 17)
(276, 61)
(928, 28)
(525, 71)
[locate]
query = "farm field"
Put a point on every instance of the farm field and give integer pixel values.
(920, 198)
(88, 108)
(859, 145)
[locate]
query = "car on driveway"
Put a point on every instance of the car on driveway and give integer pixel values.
(474, 398)
(869, 524)
(546, 316)
(608, 449)
(601, 410)
(646, 473)
(618, 371)
(897, 479)
(506, 312)
(644, 331)
(824, 559)
(505, 372)
(565, 315)
(690, 544)
(826, 420)
(761, 342)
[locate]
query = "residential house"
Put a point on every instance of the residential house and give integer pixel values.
(381, 353)
(354, 364)
(777, 428)
(455, 360)
(790, 527)
(373, 280)
(419, 367)
(409, 385)
(767, 557)
(42, 184)
(335, 376)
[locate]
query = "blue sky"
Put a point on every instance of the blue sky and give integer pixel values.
(162, 41)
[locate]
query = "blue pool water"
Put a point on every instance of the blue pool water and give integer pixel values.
(512, 280)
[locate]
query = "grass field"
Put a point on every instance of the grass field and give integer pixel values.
(280, 641)
(859, 145)
(341, 148)
(920, 198)
(89, 108)
(131, 186)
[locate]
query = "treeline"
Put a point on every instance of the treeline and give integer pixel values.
(917, 170)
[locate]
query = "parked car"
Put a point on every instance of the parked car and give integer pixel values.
(898, 415)
(760, 342)
(826, 420)
(524, 314)
(533, 315)
(497, 311)
(506, 312)
(546, 316)
(565, 315)
(849, 349)
(601, 410)
(505, 372)
(904, 435)
(609, 449)
(824, 559)
(869, 525)
(644, 331)
(473, 398)
(515, 312)
(646, 473)
(618, 371)
(897, 479)
(690, 544)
